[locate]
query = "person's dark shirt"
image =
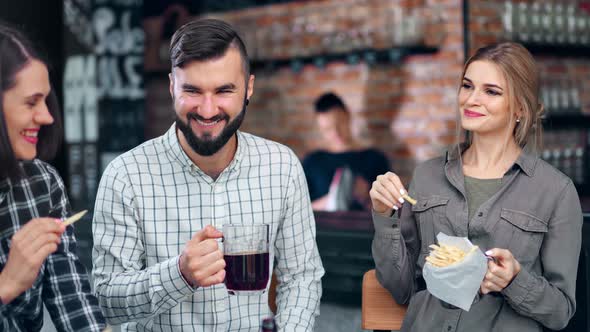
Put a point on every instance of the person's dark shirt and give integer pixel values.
(62, 284)
(320, 167)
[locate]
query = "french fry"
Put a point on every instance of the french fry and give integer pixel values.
(444, 255)
(409, 199)
(74, 218)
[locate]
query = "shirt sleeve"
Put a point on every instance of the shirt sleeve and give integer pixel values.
(126, 289)
(395, 248)
(299, 268)
(550, 298)
(66, 288)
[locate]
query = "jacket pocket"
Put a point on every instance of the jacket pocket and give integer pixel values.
(428, 213)
(527, 232)
(429, 203)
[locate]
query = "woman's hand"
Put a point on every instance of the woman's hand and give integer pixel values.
(29, 248)
(501, 272)
(386, 193)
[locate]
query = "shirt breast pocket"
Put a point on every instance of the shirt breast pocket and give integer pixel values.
(527, 233)
(430, 214)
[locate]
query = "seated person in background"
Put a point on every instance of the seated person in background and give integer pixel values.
(493, 189)
(38, 262)
(341, 168)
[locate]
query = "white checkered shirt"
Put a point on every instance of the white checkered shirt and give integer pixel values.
(153, 199)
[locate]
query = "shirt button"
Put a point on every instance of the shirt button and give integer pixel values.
(449, 328)
(480, 214)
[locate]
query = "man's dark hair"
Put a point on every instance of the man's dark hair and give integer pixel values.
(15, 53)
(328, 101)
(206, 39)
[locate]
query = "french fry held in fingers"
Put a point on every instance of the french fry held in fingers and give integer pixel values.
(409, 199)
(74, 218)
(444, 255)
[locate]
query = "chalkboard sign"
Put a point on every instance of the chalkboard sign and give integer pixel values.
(80, 103)
(119, 59)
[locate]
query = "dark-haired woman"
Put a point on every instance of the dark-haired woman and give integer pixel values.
(38, 262)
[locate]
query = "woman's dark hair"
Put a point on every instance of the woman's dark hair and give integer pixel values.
(16, 52)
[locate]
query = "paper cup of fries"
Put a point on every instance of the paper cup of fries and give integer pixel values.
(454, 270)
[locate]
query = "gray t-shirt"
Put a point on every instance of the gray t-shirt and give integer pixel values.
(478, 191)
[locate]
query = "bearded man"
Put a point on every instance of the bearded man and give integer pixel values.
(158, 264)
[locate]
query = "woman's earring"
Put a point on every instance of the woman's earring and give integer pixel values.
(517, 120)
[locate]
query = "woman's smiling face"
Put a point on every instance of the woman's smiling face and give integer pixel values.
(483, 100)
(25, 109)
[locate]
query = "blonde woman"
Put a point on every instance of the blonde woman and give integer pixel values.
(494, 190)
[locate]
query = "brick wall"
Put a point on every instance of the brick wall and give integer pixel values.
(404, 109)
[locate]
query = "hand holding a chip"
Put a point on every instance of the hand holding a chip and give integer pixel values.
(501, 270)
(387, 193)
(29, 247)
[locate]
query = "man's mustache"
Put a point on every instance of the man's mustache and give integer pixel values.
(195, 116)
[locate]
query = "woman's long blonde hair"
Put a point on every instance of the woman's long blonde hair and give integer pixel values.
(522, 79)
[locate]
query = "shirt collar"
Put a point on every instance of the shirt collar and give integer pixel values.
(173, 147)
(526, 160)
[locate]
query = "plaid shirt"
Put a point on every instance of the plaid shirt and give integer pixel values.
(62, 284)
(153, 199)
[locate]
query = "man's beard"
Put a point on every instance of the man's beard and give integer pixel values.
(208, 145)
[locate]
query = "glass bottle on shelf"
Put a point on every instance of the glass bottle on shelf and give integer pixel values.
(567, 163)
(546, 155)
(572, 36)
(564, 102)
(554, 93)
(559, 19)
(581, 25)
(556, 158)
(547, 22)
(508, 20)
(545, 96)
(575, 95)
(535, 22)
(522, 28)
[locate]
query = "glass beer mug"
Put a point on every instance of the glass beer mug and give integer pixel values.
(246, 254)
